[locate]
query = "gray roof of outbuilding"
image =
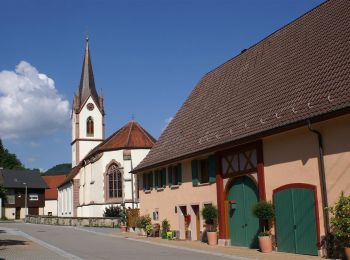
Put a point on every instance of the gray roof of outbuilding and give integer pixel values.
(16, 178)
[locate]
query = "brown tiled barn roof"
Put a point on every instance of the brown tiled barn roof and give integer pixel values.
(299, 72)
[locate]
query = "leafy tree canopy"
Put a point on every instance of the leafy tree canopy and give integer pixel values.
(59, 169)
(9, 160)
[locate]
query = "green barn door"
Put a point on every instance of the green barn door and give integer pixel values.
(244, 226)
(296, 221)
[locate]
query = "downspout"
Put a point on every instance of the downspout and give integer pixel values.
(323, 182)
(132, 183)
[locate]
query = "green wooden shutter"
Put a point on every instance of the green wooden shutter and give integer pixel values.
(150, 181)
(212, 168)
(179, 174)
(170, 176)
(163, 173)
(156, 178)
(175, 174)
(194, 165)
(144, 177)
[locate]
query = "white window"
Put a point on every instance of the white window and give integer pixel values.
(10, 197)
(156, 214)
(33, 196)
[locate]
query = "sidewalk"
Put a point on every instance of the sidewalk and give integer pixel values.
(15, 246)
(234, 251)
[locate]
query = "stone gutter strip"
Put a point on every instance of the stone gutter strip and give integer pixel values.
(166, 245)
(191, 249)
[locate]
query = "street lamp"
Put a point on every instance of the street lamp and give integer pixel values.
(25, 201)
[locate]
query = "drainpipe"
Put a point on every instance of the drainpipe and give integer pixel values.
(322, 177)
(132, 183)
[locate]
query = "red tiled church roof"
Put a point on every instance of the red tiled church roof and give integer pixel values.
(298, 73)
(53, 182)
(130, 136)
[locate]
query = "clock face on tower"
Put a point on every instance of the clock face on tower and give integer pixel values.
(90, 106)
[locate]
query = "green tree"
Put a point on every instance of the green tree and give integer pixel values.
(2, 192)
(9, 160)
(59, 168)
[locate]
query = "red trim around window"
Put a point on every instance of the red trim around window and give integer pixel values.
(314, 189)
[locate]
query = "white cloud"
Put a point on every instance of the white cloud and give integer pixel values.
(167, 122)
(30, 105)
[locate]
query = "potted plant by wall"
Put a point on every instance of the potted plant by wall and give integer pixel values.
(165, 228)
(142, 222)
(265, 212)
(123, 219)
(210, 214)
(149, 230)
(340, 222)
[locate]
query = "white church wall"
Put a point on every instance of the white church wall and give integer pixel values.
(74, 162)
(65, 200)
(96, 184)
(50, 206)
(137, 156)
(92, 182)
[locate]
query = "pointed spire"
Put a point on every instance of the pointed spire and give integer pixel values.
(87, 82)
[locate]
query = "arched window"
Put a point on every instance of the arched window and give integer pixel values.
(90, 126)
(114, 177)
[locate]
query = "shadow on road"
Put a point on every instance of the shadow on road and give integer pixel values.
(11, 242)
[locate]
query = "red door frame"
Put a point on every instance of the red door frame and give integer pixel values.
(309, 187)
(220, 191)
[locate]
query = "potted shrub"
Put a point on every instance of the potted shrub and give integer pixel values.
(265, 212)
(210, 214)
(142, 222)
(149, 229)
(123, 219)
(340, 222)
(165, 228)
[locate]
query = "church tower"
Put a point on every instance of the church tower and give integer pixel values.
(87, 113)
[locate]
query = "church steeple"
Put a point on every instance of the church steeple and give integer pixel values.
(87, 113)
(87, 86)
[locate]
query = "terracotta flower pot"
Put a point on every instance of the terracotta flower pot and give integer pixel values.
(212, 238)
(347, 252)
(123, 228)
(265, 243)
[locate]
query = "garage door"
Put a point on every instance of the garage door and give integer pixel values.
(296, 221)
(244, 226)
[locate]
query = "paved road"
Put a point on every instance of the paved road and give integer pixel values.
(92, 243)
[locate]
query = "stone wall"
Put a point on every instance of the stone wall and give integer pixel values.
(73, 221)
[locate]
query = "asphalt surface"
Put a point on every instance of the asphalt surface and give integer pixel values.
(97, 243)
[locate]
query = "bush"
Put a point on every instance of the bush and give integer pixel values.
(112, 212)
(149, 229)
(165, 228)
(143, 221)
(210, 215)
(122, 215)
(340, 221)
(264, 211)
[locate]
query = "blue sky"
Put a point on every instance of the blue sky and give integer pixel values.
(147, 57)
